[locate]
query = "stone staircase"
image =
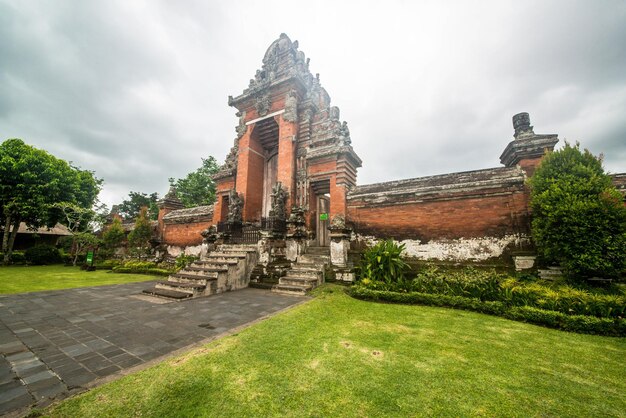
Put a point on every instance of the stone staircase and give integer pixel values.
(306, 273)
(227, 268)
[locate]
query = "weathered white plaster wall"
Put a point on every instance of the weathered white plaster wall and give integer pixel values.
(462, 249)
(197, 250)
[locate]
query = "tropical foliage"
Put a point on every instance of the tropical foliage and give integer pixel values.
(579, 218)
(35, 185)
(198, 187)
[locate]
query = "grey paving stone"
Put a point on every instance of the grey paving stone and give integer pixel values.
(12, 393)
(46, 374)
(84, 334)
(18, 402)
(14, 358)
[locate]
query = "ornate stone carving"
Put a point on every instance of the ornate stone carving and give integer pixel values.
(334, 113)
(338, 222)
(296, 224)
(291, 107)
(263, 104)
(235, 208)
(279, 201)
(241, 128)
(344, 134)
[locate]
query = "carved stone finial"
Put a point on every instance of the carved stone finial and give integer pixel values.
(338, 222)
(171, 193)
(521, 124)
(170, 200)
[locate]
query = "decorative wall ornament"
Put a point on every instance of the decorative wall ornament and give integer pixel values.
(263, 104)
(241, 128)
(235, 207)
(291, 107)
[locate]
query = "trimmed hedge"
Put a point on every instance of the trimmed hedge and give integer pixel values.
(152, 271)
(490, 286)
(575, 323)
(141, 267)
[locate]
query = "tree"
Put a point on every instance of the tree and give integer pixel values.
(198, 187)
(131, 207)
(82, 242)
(139, 237)
(33, 181)
(579, 219)
(114, 235)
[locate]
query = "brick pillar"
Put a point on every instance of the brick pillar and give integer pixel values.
(287, 132)
(249, 181)
(338, 199)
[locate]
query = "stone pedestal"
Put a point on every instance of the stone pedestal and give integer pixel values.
(524, 262)
(339, 242)
(264, 247)
(295, 241)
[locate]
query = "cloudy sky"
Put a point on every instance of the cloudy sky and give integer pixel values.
(137, 90)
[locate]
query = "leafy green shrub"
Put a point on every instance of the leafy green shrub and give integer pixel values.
(472, 283)
(183, 261)
(383, 263)
(17, 257)
(113, 236)
(579, 219)
(564, 299)
(108, 264)
(575, 323)
(43, 254)
(139, 237)
(138, 264)
(142, 267)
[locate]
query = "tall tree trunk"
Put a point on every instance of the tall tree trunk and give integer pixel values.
(5, 240)
(9, 251)
(5, 235)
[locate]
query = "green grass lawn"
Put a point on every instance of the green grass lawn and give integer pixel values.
(19, 279)
(336, 356)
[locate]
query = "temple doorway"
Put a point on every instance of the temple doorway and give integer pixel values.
(269, 181)
(323, 209)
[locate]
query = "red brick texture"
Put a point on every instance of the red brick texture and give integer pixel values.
(184, 234)
(250, 168)
(455, 218)
(287, 132)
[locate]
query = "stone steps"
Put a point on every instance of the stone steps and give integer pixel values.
(168, 294)
(191, 288)
(306, 273)
(227, 268)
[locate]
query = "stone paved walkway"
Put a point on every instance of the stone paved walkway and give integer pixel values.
(54, 342)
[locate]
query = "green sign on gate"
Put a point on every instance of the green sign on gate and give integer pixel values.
(90, 258)
(323, 216)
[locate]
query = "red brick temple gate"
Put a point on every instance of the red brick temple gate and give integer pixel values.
(288, 134)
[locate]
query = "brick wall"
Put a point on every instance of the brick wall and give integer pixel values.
(482, 203)
(184, 234)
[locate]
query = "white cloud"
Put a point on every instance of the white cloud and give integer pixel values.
(137, 90)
